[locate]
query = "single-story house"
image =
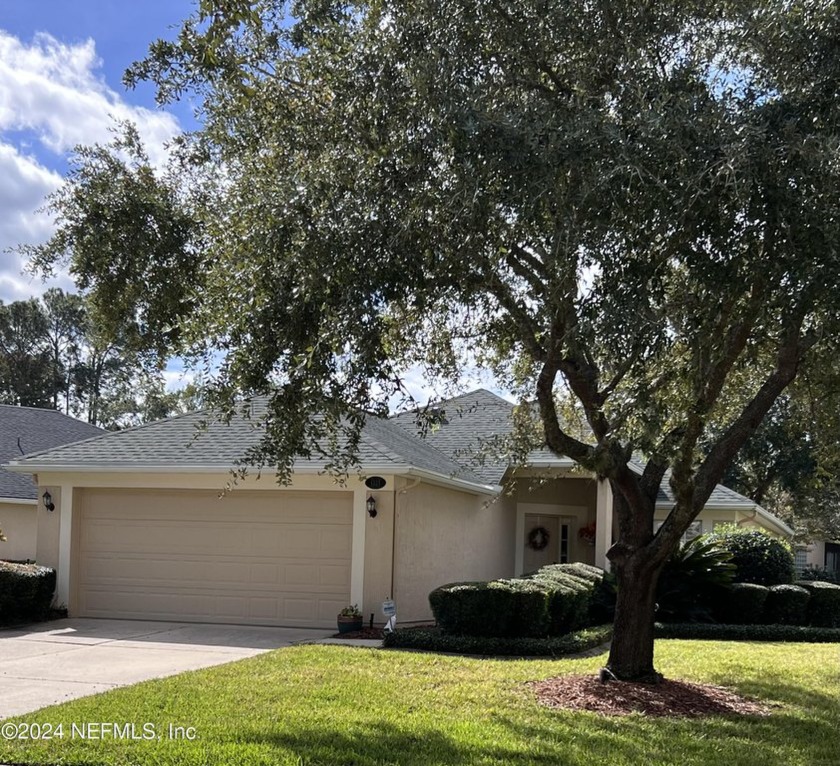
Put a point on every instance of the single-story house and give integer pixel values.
(824, 554)
(24, 430)
(141, 530)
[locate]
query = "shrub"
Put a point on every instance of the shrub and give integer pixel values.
(786, 605)
(742, 604)
(572, 587)
(758, 557)
(26, 592)
(690, 584)
(568, 602)
(584, 571)
(554, 600)
(821, 574)
(472, 608)
(530, 614)
(824, 605)
(436, 640)
(692, 580)
(705, 631)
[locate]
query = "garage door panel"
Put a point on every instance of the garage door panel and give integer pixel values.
(279, 558)
(227, 539)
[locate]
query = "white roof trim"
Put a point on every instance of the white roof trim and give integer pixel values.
(19, 500)
(396, 469)
(454, 482)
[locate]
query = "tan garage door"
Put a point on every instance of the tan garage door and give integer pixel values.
(261, 558)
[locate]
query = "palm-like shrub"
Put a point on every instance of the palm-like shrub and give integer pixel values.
(693, 580)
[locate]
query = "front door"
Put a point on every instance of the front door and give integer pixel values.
(546, 541)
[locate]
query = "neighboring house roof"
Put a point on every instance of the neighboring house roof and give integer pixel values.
(180, 444)
(30, 429)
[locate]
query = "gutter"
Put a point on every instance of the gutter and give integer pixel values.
(395, 469)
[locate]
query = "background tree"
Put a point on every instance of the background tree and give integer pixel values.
(26, 372)
(630, 205)
(53, 354)
(65, 333)
(791, 464)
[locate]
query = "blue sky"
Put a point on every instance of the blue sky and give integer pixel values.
(61, 67)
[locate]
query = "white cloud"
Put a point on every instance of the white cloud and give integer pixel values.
(52, 95)
(54, 90)
(24, 183)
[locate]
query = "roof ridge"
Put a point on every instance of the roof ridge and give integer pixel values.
(47, 409)
(419, 440)
(375, 443)
(450, 400)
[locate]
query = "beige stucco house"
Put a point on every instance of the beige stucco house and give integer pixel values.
(24, 430)
(140, 530)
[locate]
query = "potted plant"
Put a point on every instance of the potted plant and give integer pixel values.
(587, 533)
(350, 619)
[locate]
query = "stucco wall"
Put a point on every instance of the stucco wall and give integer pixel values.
(577, 491)
(816, 554)
(46, 548)
(19, 524)
(379, 542)
(443, 535)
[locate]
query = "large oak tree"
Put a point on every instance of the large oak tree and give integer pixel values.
(629, 209)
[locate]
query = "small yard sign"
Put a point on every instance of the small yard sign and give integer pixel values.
(389, 609)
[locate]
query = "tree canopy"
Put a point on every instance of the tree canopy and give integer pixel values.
(628, 211)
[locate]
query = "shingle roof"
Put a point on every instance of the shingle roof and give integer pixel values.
(461, 445)
(182, 443)
(28, 429)
(465, 428)
(467, 422)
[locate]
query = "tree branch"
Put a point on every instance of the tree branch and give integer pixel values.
(790, 354)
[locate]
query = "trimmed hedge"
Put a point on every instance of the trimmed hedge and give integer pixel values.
(471, 608)
(569, 599)
(786, 605)
(713, 632)
(742, 604)
(26, 592)
(435, 640)
(551, 601)
(822, 574)
(824, 604)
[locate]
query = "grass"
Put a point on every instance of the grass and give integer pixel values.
(332, 705)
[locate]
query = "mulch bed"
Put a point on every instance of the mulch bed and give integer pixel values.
(677, 699)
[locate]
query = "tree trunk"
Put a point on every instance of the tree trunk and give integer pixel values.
(631, 652)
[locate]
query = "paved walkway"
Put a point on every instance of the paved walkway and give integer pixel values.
(57, 661)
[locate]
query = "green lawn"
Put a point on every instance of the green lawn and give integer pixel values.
(335, 705)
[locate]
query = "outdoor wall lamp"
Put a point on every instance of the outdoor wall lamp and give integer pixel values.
(371, 507)
(48, 503)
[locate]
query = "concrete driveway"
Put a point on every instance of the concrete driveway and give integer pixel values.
(58, 661)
